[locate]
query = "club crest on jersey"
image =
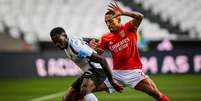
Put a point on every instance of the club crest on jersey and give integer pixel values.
(122, 33)
(110, 42)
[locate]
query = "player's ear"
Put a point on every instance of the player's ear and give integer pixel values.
(119, 20)
(65, 35)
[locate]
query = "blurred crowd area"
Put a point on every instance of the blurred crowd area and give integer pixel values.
(25, 24)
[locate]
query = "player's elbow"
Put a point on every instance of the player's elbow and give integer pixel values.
(97, 58)
(140, 16)
(102, 60)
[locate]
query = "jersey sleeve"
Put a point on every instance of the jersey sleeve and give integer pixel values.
(130, 27)
(102, 45)
(81, 48)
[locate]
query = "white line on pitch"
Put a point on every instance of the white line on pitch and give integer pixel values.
(51, 96)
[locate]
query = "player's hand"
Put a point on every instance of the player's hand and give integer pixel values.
(115, 8)
(93, 44)
(118, 87)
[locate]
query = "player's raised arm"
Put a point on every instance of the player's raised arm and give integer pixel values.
(99, 59)
(137, 16)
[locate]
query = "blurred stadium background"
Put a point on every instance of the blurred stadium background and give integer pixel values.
(32, 69)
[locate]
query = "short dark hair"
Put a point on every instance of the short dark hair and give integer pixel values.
(109, 12)
(56, 31)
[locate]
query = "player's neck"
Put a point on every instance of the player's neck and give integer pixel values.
(115, 32)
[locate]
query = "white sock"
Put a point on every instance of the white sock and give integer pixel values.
(90, 97)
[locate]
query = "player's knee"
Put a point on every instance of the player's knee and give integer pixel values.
(68, 98)
(87, 87)
(84, 90)
(70, 95)
(155, 92)
(149, 87)
(65, 98)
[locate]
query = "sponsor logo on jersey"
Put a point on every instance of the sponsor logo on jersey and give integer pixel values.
(120, 45)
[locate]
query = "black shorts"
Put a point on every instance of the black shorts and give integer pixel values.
(96, 75)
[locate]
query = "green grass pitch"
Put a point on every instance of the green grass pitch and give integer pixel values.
(177, 87)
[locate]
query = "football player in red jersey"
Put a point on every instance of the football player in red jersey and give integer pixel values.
(121, 41)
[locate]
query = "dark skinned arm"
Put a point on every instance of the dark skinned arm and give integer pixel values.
(100, 59)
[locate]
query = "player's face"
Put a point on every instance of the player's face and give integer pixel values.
(60, 41)
(113, 24)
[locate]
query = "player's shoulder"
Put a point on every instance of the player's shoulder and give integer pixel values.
(107, 35)
(129, 26)
(75, 40)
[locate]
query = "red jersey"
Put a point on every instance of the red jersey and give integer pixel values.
(123, 47)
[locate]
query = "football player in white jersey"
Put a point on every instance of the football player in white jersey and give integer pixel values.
(94, 66)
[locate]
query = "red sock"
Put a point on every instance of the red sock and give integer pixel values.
(163, 98)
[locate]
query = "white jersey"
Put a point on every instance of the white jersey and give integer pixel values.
(78, 51)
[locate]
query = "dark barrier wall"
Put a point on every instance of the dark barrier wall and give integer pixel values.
(17, 64)
(176, 61)
(50, 63)
(53, 63)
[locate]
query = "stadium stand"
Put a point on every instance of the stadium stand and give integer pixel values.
(34, 18)
(179, 16)
(9, 44)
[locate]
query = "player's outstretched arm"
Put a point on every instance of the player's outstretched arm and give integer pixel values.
(93, 44)
(99, 59)
(137, 16)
